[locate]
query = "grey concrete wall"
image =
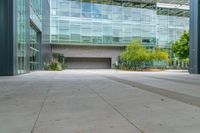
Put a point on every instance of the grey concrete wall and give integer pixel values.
(46, 53)
(89, 51)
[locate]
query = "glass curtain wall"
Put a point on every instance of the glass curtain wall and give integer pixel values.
(171, 24)
(98, 22)
(35, 35)
(25, 33)
(37, 7)
(21, 30)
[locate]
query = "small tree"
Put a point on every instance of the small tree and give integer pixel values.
(135, 55)
(181, 47)
(160, 55)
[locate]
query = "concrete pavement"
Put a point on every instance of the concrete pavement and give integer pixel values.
(100, 101)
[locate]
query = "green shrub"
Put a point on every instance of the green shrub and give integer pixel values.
(58, 57)
(46, 66)
(53, 66)
(138, 57)
(57, 63)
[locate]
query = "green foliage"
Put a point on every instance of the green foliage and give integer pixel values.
(160, 55)
(137, 57)
(58, 57)
(135, 54)
(53, 66)
(57, 63)
(181, 47)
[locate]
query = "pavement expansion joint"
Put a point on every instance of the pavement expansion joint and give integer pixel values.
(114, 107)
(42, 106)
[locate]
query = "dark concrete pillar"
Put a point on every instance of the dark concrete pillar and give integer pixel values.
(46, 47)
(8, 37)
(194, 37)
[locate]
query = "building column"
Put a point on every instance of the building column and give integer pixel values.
(8, 37)
(194, 67)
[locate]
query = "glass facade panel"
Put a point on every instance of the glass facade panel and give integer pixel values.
(21, 29)
(97, 37)
(37, 7)
(28, 40)
(74, 32)
(99, 22)
(107, 33)
(170, 25)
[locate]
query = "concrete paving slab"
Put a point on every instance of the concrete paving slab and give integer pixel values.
(151, 112)
(86, 101)
(75, 107)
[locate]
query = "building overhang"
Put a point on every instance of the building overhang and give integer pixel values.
(173, 6)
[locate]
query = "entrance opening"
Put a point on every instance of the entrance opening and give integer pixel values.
(88, 63)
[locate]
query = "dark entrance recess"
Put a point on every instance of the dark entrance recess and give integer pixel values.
(88, 63)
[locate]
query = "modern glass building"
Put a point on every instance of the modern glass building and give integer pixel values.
(102, 22)
(23, 36)
(106, 23)
(172, 21)
(117, 22)
(89, 33)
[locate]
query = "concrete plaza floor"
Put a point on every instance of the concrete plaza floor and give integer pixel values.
(100, 101)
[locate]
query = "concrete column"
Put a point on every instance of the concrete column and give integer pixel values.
(194, 67)
(46, 52)
(8, 37)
